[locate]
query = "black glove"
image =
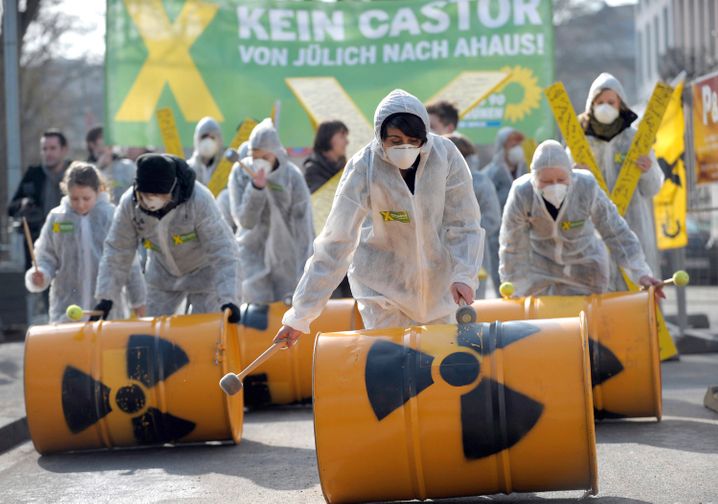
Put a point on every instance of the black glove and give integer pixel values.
(105, 305)
(235, 316)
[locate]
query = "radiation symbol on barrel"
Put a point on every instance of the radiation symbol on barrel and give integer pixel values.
(604, 366)
(494, 417)
(149, 361)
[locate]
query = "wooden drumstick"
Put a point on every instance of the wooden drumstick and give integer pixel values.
(28, 239)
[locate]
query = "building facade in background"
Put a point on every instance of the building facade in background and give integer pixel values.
(673, 35)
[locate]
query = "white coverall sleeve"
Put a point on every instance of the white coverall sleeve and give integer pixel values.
(136, 287)
(48, 260)
(246, 202)
(462, 222)
(118, 253)
(333, 250)
(219, 246)
(651, 181)
(514, 251)
(621, 241)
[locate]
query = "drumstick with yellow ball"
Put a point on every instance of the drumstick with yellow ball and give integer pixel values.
(680, 279)
(74, 312)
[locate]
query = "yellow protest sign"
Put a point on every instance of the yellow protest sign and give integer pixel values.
(627, 181)
(169, 61)
(168, 130)
(571, 130)
(670, 202)
(218, 180)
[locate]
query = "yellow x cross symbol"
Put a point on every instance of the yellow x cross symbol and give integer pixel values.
(169, 61)
(177, 239)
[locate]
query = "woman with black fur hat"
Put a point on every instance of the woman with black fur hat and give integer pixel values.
(192, 254)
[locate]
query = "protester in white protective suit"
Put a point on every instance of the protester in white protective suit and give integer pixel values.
(488, 203)
(404, 223)
(191, 252)
(607, 123)
(549, 244)
(273, 214)
(208, 149)
(507, 165)
(70, 246)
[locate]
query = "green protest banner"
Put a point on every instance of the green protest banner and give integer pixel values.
(233, 59)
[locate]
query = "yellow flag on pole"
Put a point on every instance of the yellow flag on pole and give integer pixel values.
(670, 202)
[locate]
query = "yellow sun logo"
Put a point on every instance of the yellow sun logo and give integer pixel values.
(526, 79)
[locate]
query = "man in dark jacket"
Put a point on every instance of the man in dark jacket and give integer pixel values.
(39, 190)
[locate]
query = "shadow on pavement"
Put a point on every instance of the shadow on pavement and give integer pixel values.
(696, 435)
(533, 498)
(272, 467)
(273, 414)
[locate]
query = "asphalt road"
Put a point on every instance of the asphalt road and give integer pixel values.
(674, 461)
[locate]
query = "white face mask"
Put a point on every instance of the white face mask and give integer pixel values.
(261, 164)
(207, 147)
(403, 156)
(605, 113)
(555, 193)
(153, 203)
(516, 155)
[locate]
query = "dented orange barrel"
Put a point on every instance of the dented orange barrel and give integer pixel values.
(446, 411)
(287, 377)
(623, 340)
(131, 383)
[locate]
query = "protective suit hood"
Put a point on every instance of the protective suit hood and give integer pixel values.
(207, 125)
(550, 154)
(602, 82)
(264, 136)
(396, 102)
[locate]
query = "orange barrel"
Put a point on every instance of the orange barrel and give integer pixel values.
(436, 411)
(131, 382)
(287, 377)
(623, 342)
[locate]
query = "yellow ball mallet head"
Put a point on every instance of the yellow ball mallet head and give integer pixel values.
(681, 278)
(507, 290)
(74, 312)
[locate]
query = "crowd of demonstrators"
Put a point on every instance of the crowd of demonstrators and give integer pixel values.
(413, 224)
